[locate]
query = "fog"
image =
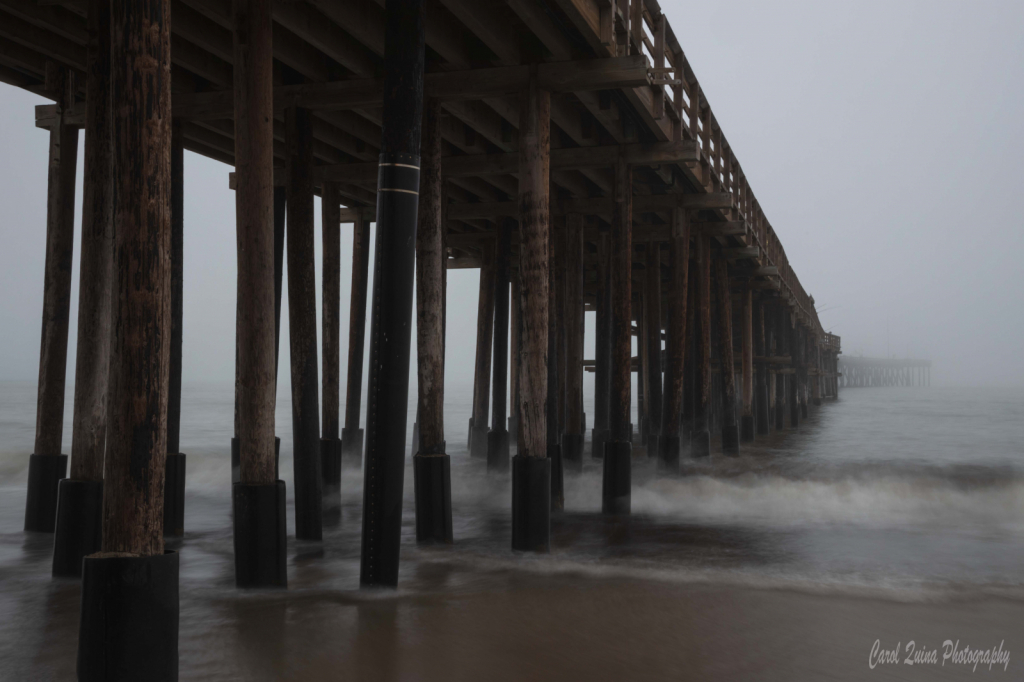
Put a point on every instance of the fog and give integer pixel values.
(882, 140)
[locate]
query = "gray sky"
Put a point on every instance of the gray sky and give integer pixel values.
(881, 138)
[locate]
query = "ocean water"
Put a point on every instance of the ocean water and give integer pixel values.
(890, 514)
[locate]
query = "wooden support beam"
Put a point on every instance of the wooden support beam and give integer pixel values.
(302, 327)
(473, 84)
(747, 350)
(531, 468)
(675, 343)
(471, 165)
(431, 464)
(136, 444)
(47, 465)
(618, 450)
(497, 438)
(652, 338)
(352, 435)
(572, 440)
(700, 438)
(94, 290)
(331, 310)
(482, 372)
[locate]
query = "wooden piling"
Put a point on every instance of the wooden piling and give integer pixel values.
(174, 476)
(352, 435)
(47, 465)
(747, 360)
(572, 438)
(482, 371)
(497, 438)
(431, 463)
(531, 468)
(763, 401)
(140, 355)
(618, 450)
(258, 497)
(302, 326)
(92, 363)
(602, 347)
(331, 309)
(330, 316)
(555, 323)
(730, 430)
(675, 343)
(79, 505)
(652, 337)
(700, 438)
(132, 580)
(515, 333)
(254, 191)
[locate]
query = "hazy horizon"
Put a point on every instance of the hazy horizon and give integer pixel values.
(881, 140)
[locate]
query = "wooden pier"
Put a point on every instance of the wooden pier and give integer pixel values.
(563, 147)
(858, 371)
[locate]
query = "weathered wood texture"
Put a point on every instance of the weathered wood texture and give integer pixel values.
(254, 192)
(302, 326)
(60, 224)
(177, 284)
(280, 206)
(675, 343)
(330, 315)
(534, 225)
(133, 487)
(357, 321)
(573, 321)
(621, 299)
(430, 293)
(92, 363)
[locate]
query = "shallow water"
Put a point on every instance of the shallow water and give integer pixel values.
(891, 514)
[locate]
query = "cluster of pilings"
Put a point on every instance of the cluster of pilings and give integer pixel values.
(860, 372)
(729, 345)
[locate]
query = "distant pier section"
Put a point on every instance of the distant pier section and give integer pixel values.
(857, 372)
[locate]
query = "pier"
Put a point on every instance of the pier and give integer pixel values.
(858, 371)
(565, 148)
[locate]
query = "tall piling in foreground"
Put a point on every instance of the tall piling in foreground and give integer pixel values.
(675, 342)
(129, 617)
(308, 479)
(330, 443)
(80, 496)
(700, 437)
(531, 467)
(431, 463)
(727, 359)
(572, 438)
(398, 184)
(47, 465)
(618, 454)
(258, 497)
(497, 437)
(352, 435)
